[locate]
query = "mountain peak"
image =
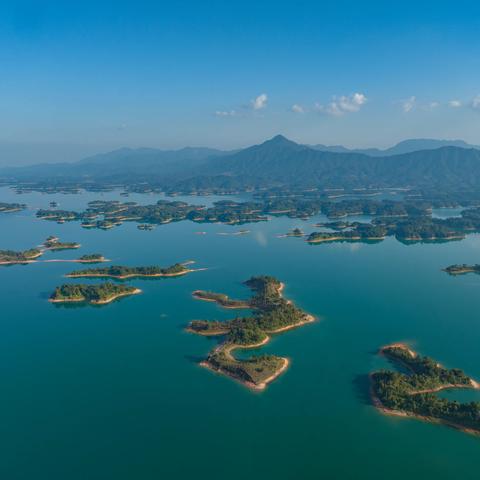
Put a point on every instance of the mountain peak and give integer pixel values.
(280, 140)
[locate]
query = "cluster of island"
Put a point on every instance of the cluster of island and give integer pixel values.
(271, 314)
(408, 220)
(413, 393)
(107, 292)
(52, 243)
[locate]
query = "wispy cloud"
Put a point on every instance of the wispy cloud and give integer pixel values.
(455, 103)
(225, 113)
(296, 108)
(409, 104)
(341, 105)
(475, 103)
(260, 102)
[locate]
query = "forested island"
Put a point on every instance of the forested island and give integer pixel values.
(92, 258)
(360, 232)
(413, 393)
(11, 207)
(271, 314)
(462, 269)
(93, 294)
(53, 243)
(11, 257)
(121, 272)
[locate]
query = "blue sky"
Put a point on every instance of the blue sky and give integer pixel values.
(99, 75)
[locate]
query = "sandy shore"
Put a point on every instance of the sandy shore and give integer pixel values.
(402, 346)
(253, 386)
(133, 275)
(346, 239)
(308, 319)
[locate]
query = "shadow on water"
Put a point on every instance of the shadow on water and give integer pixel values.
(194, 358)
(361, 387)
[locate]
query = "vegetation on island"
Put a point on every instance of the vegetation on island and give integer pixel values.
(220, 298)
(360, 232)
(92, 258)
(121, 272)
(12, 257)
(413, 392)
(408, 219)
(93, 294)
(271, 314)
(11, 207)
(53, 243)
(462, 269)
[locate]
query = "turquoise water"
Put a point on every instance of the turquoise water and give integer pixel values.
(114, 392)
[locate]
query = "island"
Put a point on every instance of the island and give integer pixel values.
(92, 258)
(271, 314)
(296, 232)
(11, 207)
(413, 393)
(53, 243)
(361, 232)
(462, 269)
(11, 257)
(92, 294)
(121, 272)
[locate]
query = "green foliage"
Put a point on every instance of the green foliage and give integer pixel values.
(19, 257)
(414, 392)
(270, 313)
(90, 293)
(123, 271)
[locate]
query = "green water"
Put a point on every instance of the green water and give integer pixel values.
(114, 392)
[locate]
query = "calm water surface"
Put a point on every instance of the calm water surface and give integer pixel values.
(114, 392)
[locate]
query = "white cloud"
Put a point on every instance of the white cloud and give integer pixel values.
(344, 104)
(260, 102)
(353, 103)
(225, 113)
(409, 104)
(455, 103)
(433, 105)
(476, 103)
(296, 108)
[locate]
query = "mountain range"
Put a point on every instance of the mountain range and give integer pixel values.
(276, 162)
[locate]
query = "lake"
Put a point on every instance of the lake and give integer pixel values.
(116, 391)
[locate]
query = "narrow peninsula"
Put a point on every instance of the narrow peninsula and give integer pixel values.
(92, 294)
(271, 314)
(413, 393)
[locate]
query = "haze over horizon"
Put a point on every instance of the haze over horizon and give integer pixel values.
(80, 82)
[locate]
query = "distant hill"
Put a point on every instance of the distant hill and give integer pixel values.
(276, 162)
(406, 146)
(139, 162)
